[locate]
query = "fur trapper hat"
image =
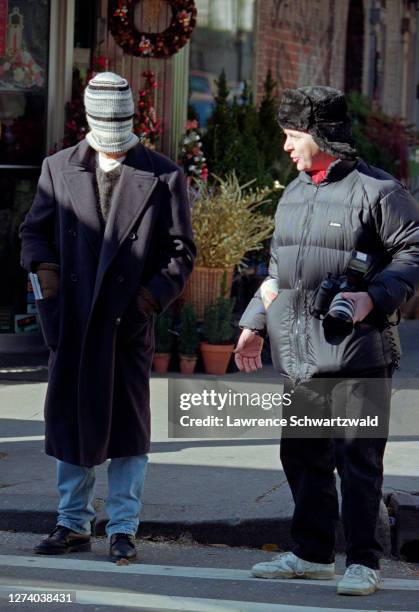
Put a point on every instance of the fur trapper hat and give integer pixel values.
(322, 112)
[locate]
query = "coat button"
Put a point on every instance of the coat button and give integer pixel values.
(133, 236)
(72, 232)
(118, 320)
(120, 278)
(74, 277)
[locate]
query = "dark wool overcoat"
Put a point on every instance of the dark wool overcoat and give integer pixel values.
(97, 403)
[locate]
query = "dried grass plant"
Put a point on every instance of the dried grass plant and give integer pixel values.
(226, 221)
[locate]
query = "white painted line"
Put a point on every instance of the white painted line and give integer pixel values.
(144, 602)
(23, 369)
(177, 571)
(22, 439)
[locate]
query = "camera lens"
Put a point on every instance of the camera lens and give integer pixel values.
(339, 321)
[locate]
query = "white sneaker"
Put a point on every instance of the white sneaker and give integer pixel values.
(359, 580)
(288, 565)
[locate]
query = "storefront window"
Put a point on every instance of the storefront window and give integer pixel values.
(24, 39)
(17, 188)
(23, 80)
(223, 39)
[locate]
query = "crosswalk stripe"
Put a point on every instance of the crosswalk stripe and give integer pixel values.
(22, 439)
(177, 571)
(145, 602)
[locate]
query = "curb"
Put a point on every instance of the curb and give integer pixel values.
(233, 532)
(254, 533)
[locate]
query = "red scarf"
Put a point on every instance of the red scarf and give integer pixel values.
(319, 175)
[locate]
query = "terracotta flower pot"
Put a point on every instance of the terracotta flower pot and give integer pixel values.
(161, 362)
(188, 363)
(216, 357)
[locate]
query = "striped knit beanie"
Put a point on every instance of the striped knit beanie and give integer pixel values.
(109, 109)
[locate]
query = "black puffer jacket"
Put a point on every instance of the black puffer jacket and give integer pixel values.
(316, 229)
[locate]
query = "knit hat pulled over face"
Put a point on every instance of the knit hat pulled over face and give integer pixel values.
(109, 109)
(322, 112)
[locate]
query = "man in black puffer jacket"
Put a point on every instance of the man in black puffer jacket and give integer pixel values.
(338, 205)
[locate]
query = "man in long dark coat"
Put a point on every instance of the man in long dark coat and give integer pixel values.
(337, 209)
(109, 235)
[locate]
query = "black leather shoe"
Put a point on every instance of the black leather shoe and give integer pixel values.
(122, 546)
(63, 540)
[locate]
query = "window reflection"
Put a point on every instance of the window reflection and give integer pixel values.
(223, 38)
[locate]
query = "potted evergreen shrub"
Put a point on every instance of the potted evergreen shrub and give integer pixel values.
(226, 225)
(163, 340)
(188, 340)
(218, 333)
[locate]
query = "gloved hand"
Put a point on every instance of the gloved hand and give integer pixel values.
(49, 279)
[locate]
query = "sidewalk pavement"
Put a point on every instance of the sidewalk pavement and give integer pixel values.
(226, 491)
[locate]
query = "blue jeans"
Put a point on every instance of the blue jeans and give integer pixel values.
(125, 481)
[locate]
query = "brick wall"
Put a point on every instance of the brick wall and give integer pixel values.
(302, 42)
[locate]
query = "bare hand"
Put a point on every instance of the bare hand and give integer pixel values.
(248, 351)
(363, 304)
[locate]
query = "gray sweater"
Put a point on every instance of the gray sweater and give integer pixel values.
(106, 183)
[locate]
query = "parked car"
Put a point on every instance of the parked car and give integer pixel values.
(202, 82)
(203, 105)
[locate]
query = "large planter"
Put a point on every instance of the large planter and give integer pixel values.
(216, 357)
(161, 362)
(187, 363)
(204, 286)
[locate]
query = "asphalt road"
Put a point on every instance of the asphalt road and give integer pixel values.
(182, 576)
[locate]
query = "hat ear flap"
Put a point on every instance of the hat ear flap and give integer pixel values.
(342, 149)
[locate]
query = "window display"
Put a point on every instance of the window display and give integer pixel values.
(23, 80)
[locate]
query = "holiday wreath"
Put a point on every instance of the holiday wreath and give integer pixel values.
(151, 44)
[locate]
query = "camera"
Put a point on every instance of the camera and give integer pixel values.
(336, 312)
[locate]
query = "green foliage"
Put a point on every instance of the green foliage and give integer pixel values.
(278, 165)
(230, 143)
(162, 334)
(361, 111)
(248, 141)
(249, 162)
(381, 140)
(270, 137)
(189, 339)
(220, 140)
(217, 328)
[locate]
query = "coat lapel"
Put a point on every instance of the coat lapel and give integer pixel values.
(129, 199)
(80, 182)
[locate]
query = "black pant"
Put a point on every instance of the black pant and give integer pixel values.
(309, 465)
